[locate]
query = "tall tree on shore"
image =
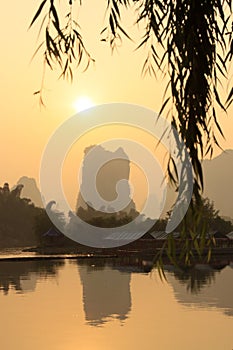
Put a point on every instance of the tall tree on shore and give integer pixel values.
(189, 40)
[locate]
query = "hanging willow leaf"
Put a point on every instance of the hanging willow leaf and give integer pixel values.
(218, 99)
(217, 123)
(116, 8)
(54, 12)
(112, 24)
(37, 13)
(124, 32)
(164, 105)
(229, 98)
(36, 92)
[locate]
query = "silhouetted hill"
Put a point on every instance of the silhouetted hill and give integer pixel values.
(218, 181)
(116, 167)
(30, 190)
(218, 177)
(218, 185)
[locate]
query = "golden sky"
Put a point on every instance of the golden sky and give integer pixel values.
(25, 128)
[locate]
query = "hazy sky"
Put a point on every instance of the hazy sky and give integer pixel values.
(25, 128)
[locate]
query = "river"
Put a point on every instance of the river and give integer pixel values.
(114, 304)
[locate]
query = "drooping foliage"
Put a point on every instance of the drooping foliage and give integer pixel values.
(188, 40)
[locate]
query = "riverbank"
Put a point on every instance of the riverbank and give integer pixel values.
(50, 253)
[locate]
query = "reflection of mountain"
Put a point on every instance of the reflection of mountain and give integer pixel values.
(30, 190)
(23, 275)
(106, 293)
(106, 287)
(209, 288)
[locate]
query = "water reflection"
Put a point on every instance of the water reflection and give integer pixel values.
(22, 276)
(208, 286)
(195, 278)
(106, 283)
(106, 288)
(113, 304)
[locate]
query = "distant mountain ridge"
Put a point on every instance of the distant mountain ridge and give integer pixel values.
(30, 190)
(218, 185)
(218, 182)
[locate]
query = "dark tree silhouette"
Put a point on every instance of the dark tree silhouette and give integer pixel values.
(17, 216)
(189, 40)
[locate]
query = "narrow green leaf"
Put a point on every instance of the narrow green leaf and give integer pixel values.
(124, 32)
(218, 99)
(217, 124)
(112, 25)
(54, 12)
(163, 106)
(116, 7)
(37, 13)
(230, 95)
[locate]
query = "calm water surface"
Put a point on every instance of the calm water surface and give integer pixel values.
(104, 304)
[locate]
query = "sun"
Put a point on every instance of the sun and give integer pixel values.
(82, 103)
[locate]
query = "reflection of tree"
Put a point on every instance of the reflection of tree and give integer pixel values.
(12, 274)
(195, 278)
(211, 288)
